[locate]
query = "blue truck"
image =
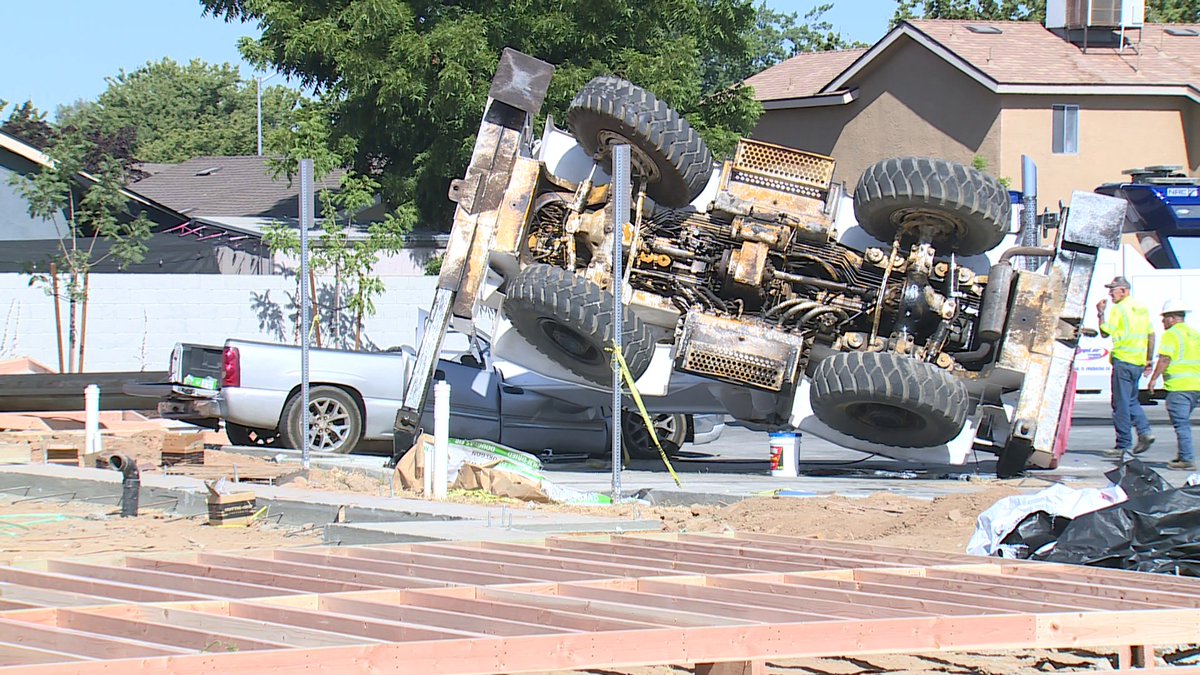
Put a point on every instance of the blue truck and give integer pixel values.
(1164, 212)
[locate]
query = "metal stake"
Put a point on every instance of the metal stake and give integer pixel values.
(306, 223)
(1029, 229)
(622, 185)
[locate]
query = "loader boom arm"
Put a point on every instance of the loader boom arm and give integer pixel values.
(516, 95)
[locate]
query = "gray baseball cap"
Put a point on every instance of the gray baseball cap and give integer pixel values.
(1118, 282)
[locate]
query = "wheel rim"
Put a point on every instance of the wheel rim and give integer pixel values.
(571, 342)
(666, 428)
(642, 163)
(329, 424)
(883, 416)
(913, 219)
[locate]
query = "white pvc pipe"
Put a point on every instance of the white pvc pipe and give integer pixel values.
(426, 458)
(441, 438)
(91, 406)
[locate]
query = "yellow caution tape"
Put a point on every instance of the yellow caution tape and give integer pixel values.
(637, 398)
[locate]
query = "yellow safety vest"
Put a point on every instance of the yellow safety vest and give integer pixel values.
(1129, 327)
(1181, 343)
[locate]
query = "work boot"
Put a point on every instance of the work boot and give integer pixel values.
(1116, 453)
(1143, 444)
(1181, 465)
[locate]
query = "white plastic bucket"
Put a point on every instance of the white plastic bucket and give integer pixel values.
(785, 454)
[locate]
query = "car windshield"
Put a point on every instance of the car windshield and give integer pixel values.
(1186, 250)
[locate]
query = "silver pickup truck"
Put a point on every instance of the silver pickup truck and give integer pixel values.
(255, 388)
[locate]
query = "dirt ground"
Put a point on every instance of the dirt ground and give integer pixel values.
(36, 530)
(41, 530)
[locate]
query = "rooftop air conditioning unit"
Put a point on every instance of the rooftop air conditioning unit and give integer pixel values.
(1075, 14)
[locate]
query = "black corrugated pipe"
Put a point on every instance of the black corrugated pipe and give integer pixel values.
(131, 484)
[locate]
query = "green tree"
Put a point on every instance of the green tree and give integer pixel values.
(173, 112)
(984, 10)
(779, 36)
(1157, 11)
(28, 124)
(347, 253)
(85, 210)
(410, 78)
(1173, 11)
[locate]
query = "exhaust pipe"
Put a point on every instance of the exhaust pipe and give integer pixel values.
(131, 484)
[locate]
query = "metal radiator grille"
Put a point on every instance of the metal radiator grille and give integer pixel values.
(755, 371)
(781, 168)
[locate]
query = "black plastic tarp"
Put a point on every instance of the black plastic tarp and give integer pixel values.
(1137, 479)
(1035, 531)
(1156, 530)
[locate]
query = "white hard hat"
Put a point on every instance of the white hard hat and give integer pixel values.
(1174, 306)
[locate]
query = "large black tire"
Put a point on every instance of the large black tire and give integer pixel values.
(569, 319)
(672, 430)
(890, 399)
(249, 436)
(667, 151)
(971, 209)
(334, 414)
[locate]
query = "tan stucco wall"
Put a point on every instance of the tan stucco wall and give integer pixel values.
(909, 103)
(1115, 133)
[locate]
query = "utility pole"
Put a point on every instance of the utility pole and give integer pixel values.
(258, 96)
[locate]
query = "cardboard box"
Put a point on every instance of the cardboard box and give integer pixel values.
(235, 508)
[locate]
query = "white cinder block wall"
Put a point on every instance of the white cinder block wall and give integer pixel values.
(135, 319)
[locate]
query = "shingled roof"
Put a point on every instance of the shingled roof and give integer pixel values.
(1023, 57)
(227, 186)
(802, 75)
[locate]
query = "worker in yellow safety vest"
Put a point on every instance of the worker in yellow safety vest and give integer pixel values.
(1179, 365)
(1132, 352)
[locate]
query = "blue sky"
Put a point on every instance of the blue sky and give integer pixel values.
(58, 51)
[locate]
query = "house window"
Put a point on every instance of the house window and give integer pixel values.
(1066, 129)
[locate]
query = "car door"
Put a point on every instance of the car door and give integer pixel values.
(474, 401)
(533, 422)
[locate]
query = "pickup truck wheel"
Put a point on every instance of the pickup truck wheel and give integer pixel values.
(968, 210)
(240, 435)
(671, 429)
(889, 399)
(335, 423)
(667, 152)
(569, 319)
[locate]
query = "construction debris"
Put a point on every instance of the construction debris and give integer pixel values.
(226, 507)
(494, 468)
(1139, 522)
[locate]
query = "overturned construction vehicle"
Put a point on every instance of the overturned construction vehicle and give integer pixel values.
(742, 295)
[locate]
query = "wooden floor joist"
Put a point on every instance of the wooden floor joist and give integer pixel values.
(725, 603)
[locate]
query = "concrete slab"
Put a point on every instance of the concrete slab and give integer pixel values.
(381, 519)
